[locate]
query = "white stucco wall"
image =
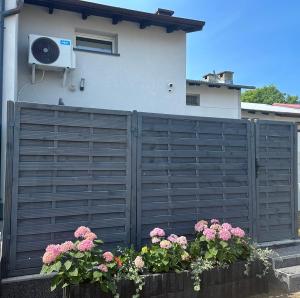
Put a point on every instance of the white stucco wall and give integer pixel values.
(149, 60)
(215, 102)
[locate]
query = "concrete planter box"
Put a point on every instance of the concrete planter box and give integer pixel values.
(217, 283)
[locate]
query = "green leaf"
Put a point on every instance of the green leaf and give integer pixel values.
(44, 269)
(98, 241)
(74, 273)
(78, 255)
(224, 244)
(53, 287)
(97, 274)
(68, 264)
(57, 266)
(64, 285)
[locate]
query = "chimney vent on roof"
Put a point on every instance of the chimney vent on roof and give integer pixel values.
(164, 12)
(211, 77)
(225, 77)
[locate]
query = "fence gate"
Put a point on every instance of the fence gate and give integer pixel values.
(276, 180)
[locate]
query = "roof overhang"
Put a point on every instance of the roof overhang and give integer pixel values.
(217, 85)
(269, 109)
(117, 14)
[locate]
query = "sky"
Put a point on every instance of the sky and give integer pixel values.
(257, 39)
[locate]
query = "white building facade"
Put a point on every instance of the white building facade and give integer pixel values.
(125, 60)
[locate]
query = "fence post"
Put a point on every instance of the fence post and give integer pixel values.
(294, 132)
(8, 189)
(133, 216)
(252, 180)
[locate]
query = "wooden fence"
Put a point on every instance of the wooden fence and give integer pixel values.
(123, 173)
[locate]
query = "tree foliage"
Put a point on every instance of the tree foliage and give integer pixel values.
(268, 95)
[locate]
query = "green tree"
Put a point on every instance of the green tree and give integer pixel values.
(268, 95)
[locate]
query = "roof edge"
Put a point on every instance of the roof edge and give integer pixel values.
(118, 14)
(218, 85)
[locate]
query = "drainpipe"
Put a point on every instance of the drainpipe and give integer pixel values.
(4, 14)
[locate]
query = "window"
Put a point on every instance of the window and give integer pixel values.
(193, 100)
(98, 44)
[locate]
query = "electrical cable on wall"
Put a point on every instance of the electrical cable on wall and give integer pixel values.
(30, 83)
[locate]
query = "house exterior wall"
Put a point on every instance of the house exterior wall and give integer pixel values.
(215, 102)
(138, 79)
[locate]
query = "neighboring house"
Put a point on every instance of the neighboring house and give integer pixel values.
(215, 96)
(122, 60)
(276, 112)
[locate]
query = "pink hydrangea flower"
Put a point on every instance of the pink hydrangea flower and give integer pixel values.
(90, 236)
(210, 234)
(157, 232)
(238, 232)
(53, 248)
(138, 262)
(200, 226)
(81, 231)
(166, 244)
(226, 226)
(224, 234)
(172, 238)
(215, 221)
(85, 245)
(67, 246)
(108, 256)
(215, 227)
(155, 240)
(103, 268)
(182, 241)
(49, 257)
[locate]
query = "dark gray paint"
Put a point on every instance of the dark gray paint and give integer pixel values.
(123, 173)
(276, 180)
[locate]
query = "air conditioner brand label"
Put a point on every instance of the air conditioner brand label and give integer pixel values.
(65, 42)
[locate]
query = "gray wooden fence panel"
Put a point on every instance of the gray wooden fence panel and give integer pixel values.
(276, 180)
(72, 167)
(192, 168)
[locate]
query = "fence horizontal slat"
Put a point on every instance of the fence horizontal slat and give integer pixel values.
(193, 141)
(69, 211)
(76, 122)
(194, 204)
(194, 153)
(199, 178)
(52, 166)
(197, 166)
(37, 181)
(191, 191)
(63, 227)
(74, 137)
(205, 214)
(71, 151)
(72, 196)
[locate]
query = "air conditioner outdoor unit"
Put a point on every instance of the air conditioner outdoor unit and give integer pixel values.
(51, 53)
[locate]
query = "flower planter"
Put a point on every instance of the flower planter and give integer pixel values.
(217, 283)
